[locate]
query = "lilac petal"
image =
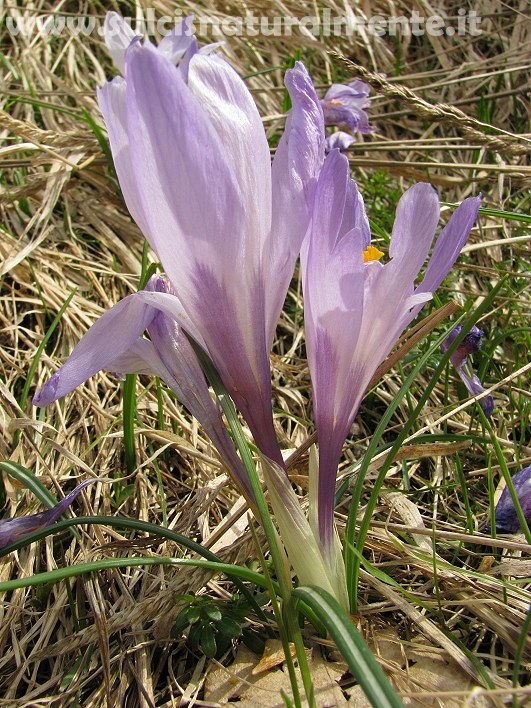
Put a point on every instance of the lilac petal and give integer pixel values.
(357, 92)
(506, 518)
(296, 166)
(232, 112)
(449, 244)
(110, 336)
(112, 103)
(417, 216)
(12, 530)
(474, 387)
(179, 42)
(165, 119)
(118, 36)
(340, 140)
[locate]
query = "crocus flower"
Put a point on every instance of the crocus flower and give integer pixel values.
(470, 344)
(506, 518)
(194, 166)
(12, 530)
(344, 106)
(340, 140)
(356, 307)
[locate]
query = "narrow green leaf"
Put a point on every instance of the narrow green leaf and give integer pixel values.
(128, 417)
(30, 481)
(361, 661)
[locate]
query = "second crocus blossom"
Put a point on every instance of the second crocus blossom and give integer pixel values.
(356, 307)
(194, 166)
(470, 344)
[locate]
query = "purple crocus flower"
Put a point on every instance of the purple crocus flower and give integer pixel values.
(506, 518)
(194, 166)
(470, 344)
(344, 106)
(356, 308)
(12, 530)
(340, 140)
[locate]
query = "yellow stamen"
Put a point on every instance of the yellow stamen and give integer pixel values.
(372, 254)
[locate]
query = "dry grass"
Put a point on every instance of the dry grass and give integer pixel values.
(456, 116)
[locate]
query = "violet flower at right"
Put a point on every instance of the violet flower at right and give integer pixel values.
(356, 308)
(507, 520)
(459, 359)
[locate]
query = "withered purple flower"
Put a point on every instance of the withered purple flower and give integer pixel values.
(460, 360)
(12, 530)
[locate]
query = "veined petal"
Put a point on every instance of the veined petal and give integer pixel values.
(179, 42)
(112, 102)
(12, 530)
(417, 216)
(232, 112)
(449, 244)
(187, 189)
(296, 166)
(111, 335)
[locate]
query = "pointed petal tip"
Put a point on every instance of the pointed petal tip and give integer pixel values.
(15, 529)
(47, 394)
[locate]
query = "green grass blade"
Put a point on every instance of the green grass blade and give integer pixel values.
(140, 527)
(30, 481)
(73, 571)
(128, 419)
(361, 661)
